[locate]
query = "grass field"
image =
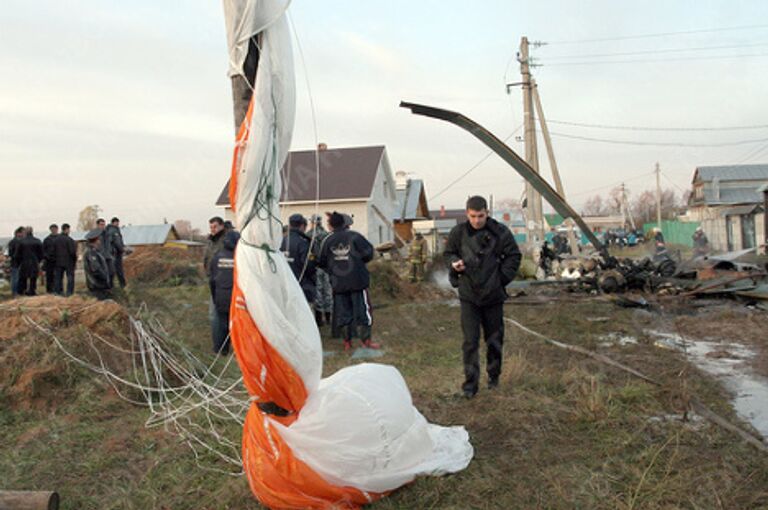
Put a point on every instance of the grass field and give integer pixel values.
(561, 431)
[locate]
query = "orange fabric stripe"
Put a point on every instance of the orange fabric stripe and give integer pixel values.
(241, 142)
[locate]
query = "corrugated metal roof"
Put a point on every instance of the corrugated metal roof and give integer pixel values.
(137, 235)
(4, 242)
(732, 173)
(733, 196)
(345, 173)
(408, 200)
(741, 210)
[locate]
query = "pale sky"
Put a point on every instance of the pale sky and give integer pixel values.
(127, 104)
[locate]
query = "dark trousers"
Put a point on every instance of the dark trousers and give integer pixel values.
(117, 270)
(352, 314)
(58, 280)
(220, 331)
(15, 271)
(111, 270)
(491, 319)
(49, 278)
(27, 281)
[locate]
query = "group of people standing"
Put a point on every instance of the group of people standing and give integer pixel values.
(55, 257)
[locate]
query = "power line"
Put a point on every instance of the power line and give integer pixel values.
(645, 61)
(654, 52)
(659, 144)
(649, 128)
(659, 34)
(613, 185)
(674, 183)
(473, 167)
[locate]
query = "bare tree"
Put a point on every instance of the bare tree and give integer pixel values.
(86, 219)
(593, 206)
(185, 230)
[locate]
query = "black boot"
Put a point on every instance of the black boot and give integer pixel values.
(319, 318)
(327, 317)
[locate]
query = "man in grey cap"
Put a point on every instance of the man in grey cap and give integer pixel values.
(323, 290)
(97, 274)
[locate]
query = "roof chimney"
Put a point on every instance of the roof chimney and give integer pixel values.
(322, 146)
(401, 180)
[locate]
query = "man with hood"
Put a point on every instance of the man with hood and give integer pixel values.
(296, 248)
(221, 282)
(344, 255)
(482, 257)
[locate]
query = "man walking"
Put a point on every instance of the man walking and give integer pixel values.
(295, 246)
(483, 258)
(30, 253)
(344, 254)
(118, 249)
(65, 250)
(323, 291)
(14, 255)
(49, 255)
(95, 266)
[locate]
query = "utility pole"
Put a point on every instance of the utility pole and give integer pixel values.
(658, 196)
(553, 163)
(533, 198)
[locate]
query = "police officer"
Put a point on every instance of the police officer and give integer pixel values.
(344, 254)
(296, 248)
(118, 250)
(417, 255)
(482, 257)
(221, 281)
(95, 265)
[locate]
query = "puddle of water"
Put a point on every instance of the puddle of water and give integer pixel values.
(726, 362)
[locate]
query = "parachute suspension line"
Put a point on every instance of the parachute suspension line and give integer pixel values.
(313, 114)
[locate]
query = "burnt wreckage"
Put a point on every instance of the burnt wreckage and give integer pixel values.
(603, 271)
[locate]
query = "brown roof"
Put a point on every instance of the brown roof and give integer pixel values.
(347, 173)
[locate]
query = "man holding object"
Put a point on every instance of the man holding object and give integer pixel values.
(482, 258)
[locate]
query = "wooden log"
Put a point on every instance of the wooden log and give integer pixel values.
(29, 500)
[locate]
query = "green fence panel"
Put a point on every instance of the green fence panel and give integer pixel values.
(676, 232)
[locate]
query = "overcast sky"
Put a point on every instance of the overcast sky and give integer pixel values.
(127, 104)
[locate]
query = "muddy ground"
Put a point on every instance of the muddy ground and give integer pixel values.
(561, 431)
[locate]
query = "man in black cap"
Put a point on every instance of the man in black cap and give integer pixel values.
(30, 254)
(296, 248)
(344, 254)
(482, 257)
(95, 265)
(49, 257)
(65, 250)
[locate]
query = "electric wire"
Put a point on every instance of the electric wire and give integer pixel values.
(652, 128)
(659, 34)
(658, 143)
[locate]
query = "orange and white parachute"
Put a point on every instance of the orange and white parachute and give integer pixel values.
(338, 442)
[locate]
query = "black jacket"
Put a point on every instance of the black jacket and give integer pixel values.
(65, 252)
(29, 251)
(106, 244)
(491, 259)
(221, 275)
(96, 270)
(344, 255)
(295, 247)
(49, 253)
(215, 242)
(13, 251)
(115, 240)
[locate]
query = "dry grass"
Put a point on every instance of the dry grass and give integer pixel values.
(561, 431)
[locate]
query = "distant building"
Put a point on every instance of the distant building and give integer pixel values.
(727, 203)
(357, 181)
(137, 236)
(411, 205)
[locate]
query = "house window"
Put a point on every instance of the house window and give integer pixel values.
(748, 237)
(699, 192)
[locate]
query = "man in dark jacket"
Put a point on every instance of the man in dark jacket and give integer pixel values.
(65, 250)
(13, 254)
(30, 253)
(106, 248)
(49, 261)
(215, 243)
(95, 266)
(118, 250)
(344, 255)
(221, 281)
(295, 246)
(482, 257)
